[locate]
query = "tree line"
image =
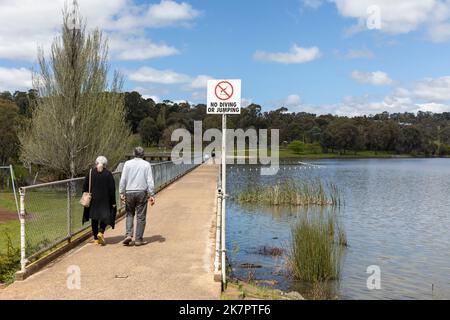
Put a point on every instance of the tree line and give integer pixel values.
(424, 133)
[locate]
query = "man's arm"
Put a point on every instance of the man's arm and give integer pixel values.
(123, 180)
(150, 182)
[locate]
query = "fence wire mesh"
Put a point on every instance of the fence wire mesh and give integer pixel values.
(54, 214)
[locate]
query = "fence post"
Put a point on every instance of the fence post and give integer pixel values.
(23, 260)
(218, 233)
(13, 177)
(69, 211)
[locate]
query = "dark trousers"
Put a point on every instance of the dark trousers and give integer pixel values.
(95, 228)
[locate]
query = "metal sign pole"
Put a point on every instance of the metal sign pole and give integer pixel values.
(224, 185)
(23, 261)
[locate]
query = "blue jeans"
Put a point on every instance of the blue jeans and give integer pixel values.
(136, 204)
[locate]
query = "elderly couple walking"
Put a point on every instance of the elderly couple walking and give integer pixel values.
(136, 190)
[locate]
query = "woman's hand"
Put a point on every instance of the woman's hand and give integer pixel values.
(151, 200)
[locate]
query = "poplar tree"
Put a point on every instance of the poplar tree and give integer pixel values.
(79, 114)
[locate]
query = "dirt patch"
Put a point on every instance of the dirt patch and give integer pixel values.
(6, 215)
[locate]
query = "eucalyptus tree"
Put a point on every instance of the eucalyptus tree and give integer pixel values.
(80, 114)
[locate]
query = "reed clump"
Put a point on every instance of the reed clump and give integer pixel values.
(290, 192)
(316, 248)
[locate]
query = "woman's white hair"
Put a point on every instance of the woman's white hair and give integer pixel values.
(101, 162)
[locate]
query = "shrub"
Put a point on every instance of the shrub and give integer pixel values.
(296, 146)
(316, 250)
(290, 192)
(9, 262)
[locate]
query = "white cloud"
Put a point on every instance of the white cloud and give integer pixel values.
(139, 48)
(293, 100)
(170, 13)
(295, 55)
(429, 89)
(397, 16)
(199, 82)
(433, 107)
(431, 94)
(403, 16)
(168, 77)
(27, 24)
(164, 78)
(377, 78)
(12, 79)
(440, 32)
(199, 95)
(150, 75)
(151, 92)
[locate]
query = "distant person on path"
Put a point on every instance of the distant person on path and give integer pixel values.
(102, 209)
(136, 191)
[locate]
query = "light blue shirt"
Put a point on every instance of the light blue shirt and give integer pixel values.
(137, 176)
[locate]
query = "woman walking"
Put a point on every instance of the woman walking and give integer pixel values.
(102, 210)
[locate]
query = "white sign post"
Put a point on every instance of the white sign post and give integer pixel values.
(224, 97)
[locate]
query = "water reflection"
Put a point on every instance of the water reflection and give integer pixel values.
(396, 216)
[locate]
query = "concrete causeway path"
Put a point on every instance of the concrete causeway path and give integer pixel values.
(176, 264)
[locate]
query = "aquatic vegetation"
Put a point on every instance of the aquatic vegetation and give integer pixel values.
(270, 251)
(316, 248)
(290, 192)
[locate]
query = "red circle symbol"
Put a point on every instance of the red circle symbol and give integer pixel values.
(224, 90)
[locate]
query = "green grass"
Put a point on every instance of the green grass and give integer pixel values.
(9, 228)
(290, 192)
(47, 217)
(251, 290)
(7, 201)
(287, 153)
(46, 220)
(316, 248)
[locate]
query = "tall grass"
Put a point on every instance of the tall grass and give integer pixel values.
(9, 261)
(290, 192)
(316, 248)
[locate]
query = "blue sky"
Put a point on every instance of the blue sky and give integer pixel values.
(318, 56)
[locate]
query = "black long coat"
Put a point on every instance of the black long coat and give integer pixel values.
(103, 191)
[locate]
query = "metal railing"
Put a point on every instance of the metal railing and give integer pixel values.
(220, 254)
(50, 213)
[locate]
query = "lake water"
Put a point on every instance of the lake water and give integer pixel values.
(396, 215)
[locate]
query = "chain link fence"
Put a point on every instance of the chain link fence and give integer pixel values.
(50, 213)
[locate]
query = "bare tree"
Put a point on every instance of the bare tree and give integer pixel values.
(79, 115)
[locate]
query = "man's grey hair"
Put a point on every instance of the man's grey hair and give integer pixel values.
(139, 152)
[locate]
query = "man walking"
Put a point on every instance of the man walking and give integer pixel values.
(136, 190)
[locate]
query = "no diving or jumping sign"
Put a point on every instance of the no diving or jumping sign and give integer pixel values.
(224, 97)
(224, 90)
